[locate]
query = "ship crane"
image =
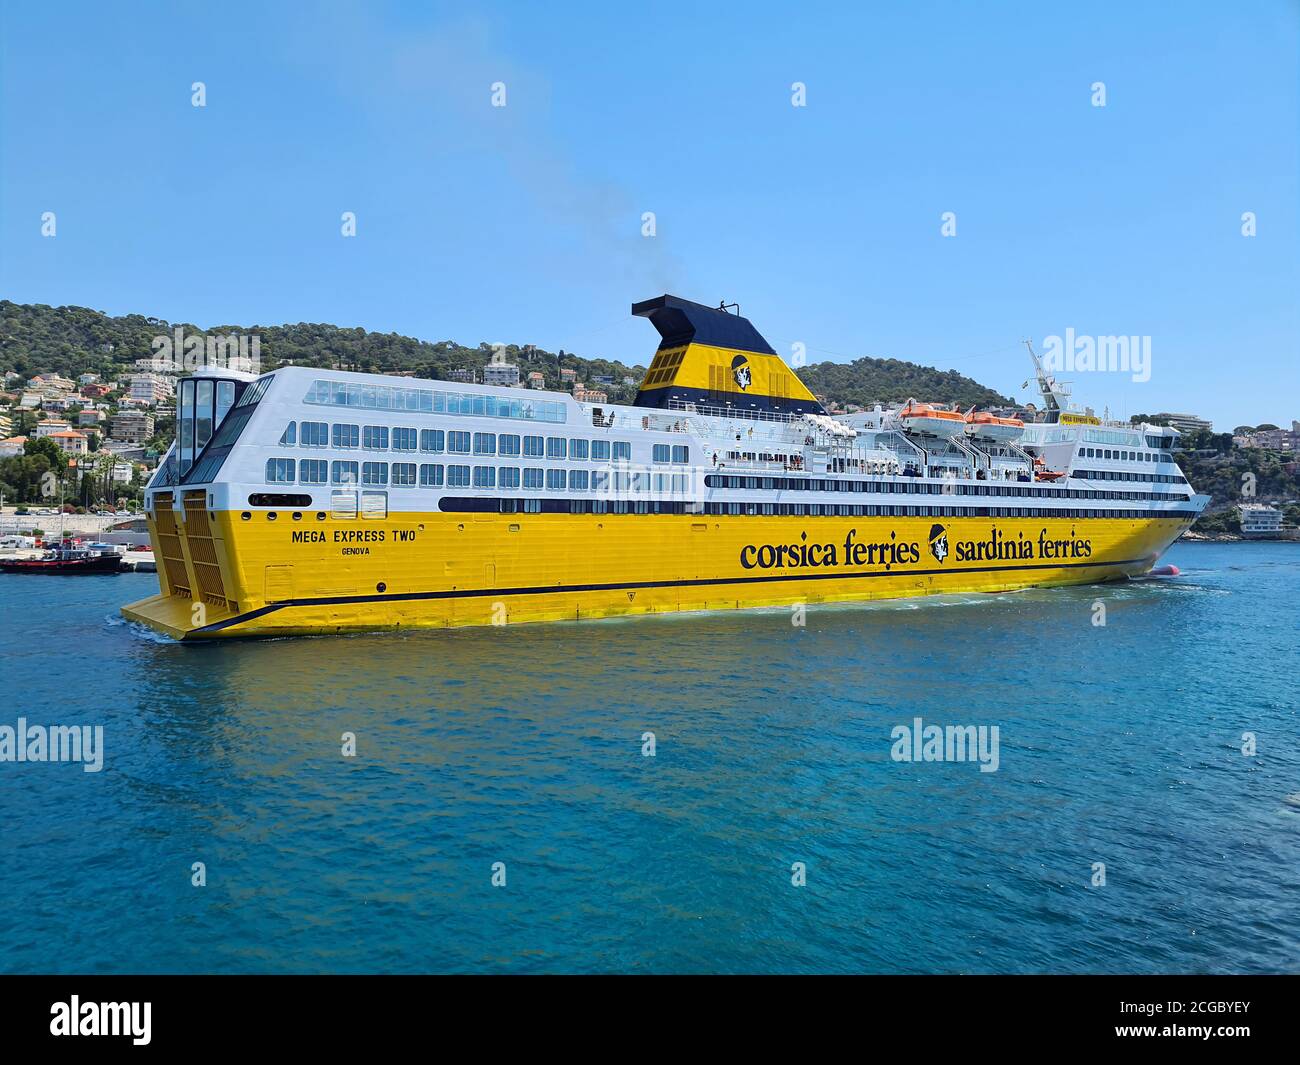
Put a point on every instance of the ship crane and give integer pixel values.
(1056, 394)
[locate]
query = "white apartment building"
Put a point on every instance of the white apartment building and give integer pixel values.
(1259, 520)
(132, 427)
(151, 388)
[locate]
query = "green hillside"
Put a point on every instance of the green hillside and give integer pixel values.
(867, 381)
(35, 338)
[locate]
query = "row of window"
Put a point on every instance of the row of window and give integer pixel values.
(905, 486)
(494, 505)
(1124, 475)
(346, 437)
(1123, 456)
(436, 475)
(429, 401)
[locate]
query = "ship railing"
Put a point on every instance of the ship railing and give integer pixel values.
(731, 412)
(664, 423)
(974, 456)
(902, 443)
(760, 465)
(1021, 454)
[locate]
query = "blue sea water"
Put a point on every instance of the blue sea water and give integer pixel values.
(1119, 744)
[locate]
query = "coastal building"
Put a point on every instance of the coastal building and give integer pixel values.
(51, 381)
(71, 441)
(126, 451)
(88, 379)
(30, 400)
(95, 391)
(88, 418)
(501, 373)
(1189, 423)
(12, 446)
(463, 376)
(50, 426)
(1259, 521)
(536, 380)
(132, 427)
(151, 388)
(583, 394)
(568, 376)
(1271, 439)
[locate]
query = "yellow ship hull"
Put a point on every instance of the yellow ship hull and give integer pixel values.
(223, 575)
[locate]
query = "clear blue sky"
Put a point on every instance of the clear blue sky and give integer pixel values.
(523, 224)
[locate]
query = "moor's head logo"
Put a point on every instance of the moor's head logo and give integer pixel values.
(938, 542)
(741, 372)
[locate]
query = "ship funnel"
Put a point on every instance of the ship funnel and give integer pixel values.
(712, 357)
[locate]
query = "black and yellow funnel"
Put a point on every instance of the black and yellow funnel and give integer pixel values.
(712, 357)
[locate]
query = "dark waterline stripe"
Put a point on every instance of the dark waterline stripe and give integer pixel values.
(479, 593)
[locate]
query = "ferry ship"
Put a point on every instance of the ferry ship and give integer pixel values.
(308, 501)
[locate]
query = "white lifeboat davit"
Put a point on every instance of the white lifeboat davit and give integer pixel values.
(987, 426)
(929, 420)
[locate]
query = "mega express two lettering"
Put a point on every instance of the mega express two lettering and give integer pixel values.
(998, 547)
(354, 541)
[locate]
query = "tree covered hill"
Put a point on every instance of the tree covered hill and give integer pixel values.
(868, 381)
(36, 338)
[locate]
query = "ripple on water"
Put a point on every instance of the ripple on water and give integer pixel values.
(1120, 750)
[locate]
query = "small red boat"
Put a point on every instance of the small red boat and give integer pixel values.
(66, 559)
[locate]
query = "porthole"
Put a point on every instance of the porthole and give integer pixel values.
(297, 515)
(245, 516)
(320, 515)
(270, 515)
(381, 587)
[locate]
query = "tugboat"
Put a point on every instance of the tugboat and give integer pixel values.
(68, 557)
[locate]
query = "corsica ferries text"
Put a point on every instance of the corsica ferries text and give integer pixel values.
(998, 547)
(891, 552)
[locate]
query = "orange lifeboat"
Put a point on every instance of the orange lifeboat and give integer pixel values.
(929, 420)
(986, 426)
